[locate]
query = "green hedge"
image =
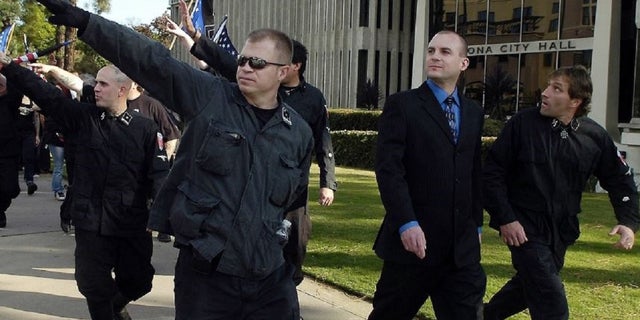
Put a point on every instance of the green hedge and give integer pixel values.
(353, 119)
(357, 149)
(366, 120)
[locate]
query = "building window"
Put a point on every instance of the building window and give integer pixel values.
(555, 8)
(401, 15)
(547, 59)
(378, 14)
(390, 15)
(450, 18)
(553, 25)
(364, 13)
(588, 12)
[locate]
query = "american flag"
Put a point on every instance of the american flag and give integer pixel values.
(222, 38)
(4, 37)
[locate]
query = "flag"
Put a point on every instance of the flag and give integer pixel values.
(33, 56)
(196, 17)
(222, 38)
(5, 36)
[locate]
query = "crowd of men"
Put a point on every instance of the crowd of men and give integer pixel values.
(234, 196)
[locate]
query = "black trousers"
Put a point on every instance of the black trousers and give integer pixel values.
(537, 285)
(29, 154)
(97, 256)
(455, 292)
(296, 248)
(201, 293)
(9, 186)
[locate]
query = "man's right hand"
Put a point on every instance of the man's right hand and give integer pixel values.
(414, 241)
(40, 68)
(66, 14)
(186, 20)
(513, 234)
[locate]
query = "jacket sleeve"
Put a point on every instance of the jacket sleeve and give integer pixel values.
(175, 84)
(324, 148)
(616, 177)
(216, 57)
(156, 158)
(494, 177)
(48, 97)
(390, 169)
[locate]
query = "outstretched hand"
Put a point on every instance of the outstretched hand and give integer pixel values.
(175, 29)
(66, 14)
(186, 19)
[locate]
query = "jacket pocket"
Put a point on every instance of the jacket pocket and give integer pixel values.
(284, 181)
(191, 206)
(220, 149)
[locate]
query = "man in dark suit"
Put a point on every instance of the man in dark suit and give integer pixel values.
(428, 171)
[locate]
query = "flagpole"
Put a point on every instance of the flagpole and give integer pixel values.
(173, 40)
(13, 27)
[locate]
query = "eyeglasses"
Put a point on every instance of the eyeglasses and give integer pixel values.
(255, 62)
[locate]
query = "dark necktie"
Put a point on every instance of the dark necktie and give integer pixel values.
(451, 116)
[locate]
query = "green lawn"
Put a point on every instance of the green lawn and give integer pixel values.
(601, 282)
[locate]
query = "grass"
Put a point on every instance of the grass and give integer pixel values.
(601, 282)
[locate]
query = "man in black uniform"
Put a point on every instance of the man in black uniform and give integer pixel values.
(119, 167)
(308, 101)
(243, 158)
(533, 181)
(10, 100)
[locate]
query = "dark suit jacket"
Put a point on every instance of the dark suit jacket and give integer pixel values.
(424, 176)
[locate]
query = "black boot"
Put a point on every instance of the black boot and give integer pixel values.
(3, 219)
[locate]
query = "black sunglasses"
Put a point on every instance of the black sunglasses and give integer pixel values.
(255, 62)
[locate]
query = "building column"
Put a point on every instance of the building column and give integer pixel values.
(605, 65)
(420, 42)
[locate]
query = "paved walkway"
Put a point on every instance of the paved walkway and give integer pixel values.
(37, 283)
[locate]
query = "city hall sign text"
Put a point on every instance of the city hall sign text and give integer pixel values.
(531, 47)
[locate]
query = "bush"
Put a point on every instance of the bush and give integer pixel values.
(492, 127)
(368, 95)
(356, 149)
(353, 119)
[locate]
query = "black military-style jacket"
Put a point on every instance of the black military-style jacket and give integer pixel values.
(537, 169)
(119, 161)
(232, 178)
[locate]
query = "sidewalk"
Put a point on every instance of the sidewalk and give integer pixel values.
(37, 283)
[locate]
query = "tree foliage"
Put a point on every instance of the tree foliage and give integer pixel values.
(31, 21)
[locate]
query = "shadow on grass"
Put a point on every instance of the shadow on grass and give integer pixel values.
(583, 275)
(341, 260)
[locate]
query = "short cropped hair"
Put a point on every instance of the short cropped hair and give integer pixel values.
(463, 41)
(282, 41)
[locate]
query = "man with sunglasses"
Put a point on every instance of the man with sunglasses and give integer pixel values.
(307, 100)
(243, 159)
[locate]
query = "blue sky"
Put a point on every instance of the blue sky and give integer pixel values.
(131, 11)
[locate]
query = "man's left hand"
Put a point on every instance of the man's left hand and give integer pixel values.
(627, 237)
(326, 197)
(66, 14)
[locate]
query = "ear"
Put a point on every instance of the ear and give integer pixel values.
(282, 72)
(296, 66)
(575, 103)
(464, 64)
